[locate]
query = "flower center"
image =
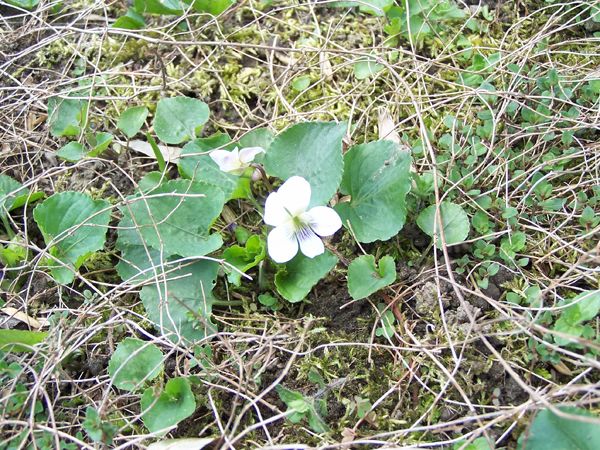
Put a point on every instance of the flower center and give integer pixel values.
(301, 228)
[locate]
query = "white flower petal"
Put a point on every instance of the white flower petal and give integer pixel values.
(323, 220)
(227, 161)
(310, 244)
(248, 154)
(295, 195)
(275, 213)
(282, 244)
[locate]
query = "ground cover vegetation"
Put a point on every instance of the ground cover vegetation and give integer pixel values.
(286, 224)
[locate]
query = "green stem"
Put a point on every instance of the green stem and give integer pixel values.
(262, 276)
(7, 227)
(255, 203)
(227, 302)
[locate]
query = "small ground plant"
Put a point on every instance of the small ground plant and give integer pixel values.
(256, 224)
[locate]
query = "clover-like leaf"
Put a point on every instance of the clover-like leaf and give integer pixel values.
(66, 116)
(377, 177)
(134, 363)
(174, 217)
(178, 119)
(455, 223)
(174, 404)
(295, 280)
(132, 119)
(365, 278)
(74, 226)
(312, 150)
(550, 430)
(180, 301)
(245, 258)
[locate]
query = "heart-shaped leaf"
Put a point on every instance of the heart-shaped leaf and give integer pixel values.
(132, 120)
(74, 226)
(377, 177)
(174, 404)
(313, 151)
(72, 152)
(179, 119)
(175, 218)
(134, 363)
(66, 116)
(180, 301)
(549, 430)
(295, 280)
(365, 278)
(455, 223)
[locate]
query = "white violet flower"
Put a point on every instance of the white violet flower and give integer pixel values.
(235, 161)
(286, 210)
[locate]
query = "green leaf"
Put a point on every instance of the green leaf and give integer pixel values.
(99, 142)
(139, 263)
(365, 278)
(214, 7)
(25, 4)
(66, 116)
(74, 226)
(295, 280)
(174, 218)
(301, 407)
(196, 164)
(162, 7)
(97, 429)
(10, 191)
(20, 340)
(160, 159)
(132, 20)
(478, 444)
(388, 322)
(131, 120)
(455, 223)
(134, 363)
(373, 7)
(377, 177)
(245, 258)
(179, 119)
(301, 83)
(584, 307)
(174, 404)
(562, 433)
(312, 150)
(72, 152)
(259, 137)
(366, 68)
(181, 306)
(151, 181)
